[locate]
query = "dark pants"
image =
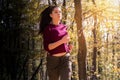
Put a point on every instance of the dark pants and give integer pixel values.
(59, 68)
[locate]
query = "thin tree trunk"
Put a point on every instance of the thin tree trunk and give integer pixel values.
(95, 43)
(54, 2)
(94, 50)
(49, 2)
(82, 50)
(64, 12)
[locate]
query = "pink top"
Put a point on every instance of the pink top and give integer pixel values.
(53, 33)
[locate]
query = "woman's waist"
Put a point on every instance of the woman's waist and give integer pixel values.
(59, 54)
(60, 49)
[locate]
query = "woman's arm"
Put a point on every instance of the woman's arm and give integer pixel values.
(65, 39)
(70, 46)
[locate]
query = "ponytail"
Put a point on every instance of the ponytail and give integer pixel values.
(45, 18)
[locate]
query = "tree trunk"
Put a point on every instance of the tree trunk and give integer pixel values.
(54, 2)
(94, 47)
(49, 2)
(82, 50)
(93, 76)
(64, 12)
(95, 41)
(94, 50)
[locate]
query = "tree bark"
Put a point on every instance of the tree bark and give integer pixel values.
(64, 10)
(95, 43)
(82, 50)
(54, 2)
(49, 2)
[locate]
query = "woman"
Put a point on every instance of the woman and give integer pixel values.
(56, 40)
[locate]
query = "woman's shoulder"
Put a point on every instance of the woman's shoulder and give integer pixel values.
(47, 29)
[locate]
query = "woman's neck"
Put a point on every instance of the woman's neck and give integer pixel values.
(55, 22)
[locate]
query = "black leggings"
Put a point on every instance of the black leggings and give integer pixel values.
(59, 68)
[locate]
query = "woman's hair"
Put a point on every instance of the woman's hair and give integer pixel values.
(45, 18)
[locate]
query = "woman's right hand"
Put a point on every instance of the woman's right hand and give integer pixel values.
(65, 39)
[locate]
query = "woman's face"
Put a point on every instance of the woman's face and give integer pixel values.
(56, 14)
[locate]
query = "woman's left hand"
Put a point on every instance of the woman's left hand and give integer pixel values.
(70, 46)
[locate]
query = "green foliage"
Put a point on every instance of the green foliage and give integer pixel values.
(107, 40)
